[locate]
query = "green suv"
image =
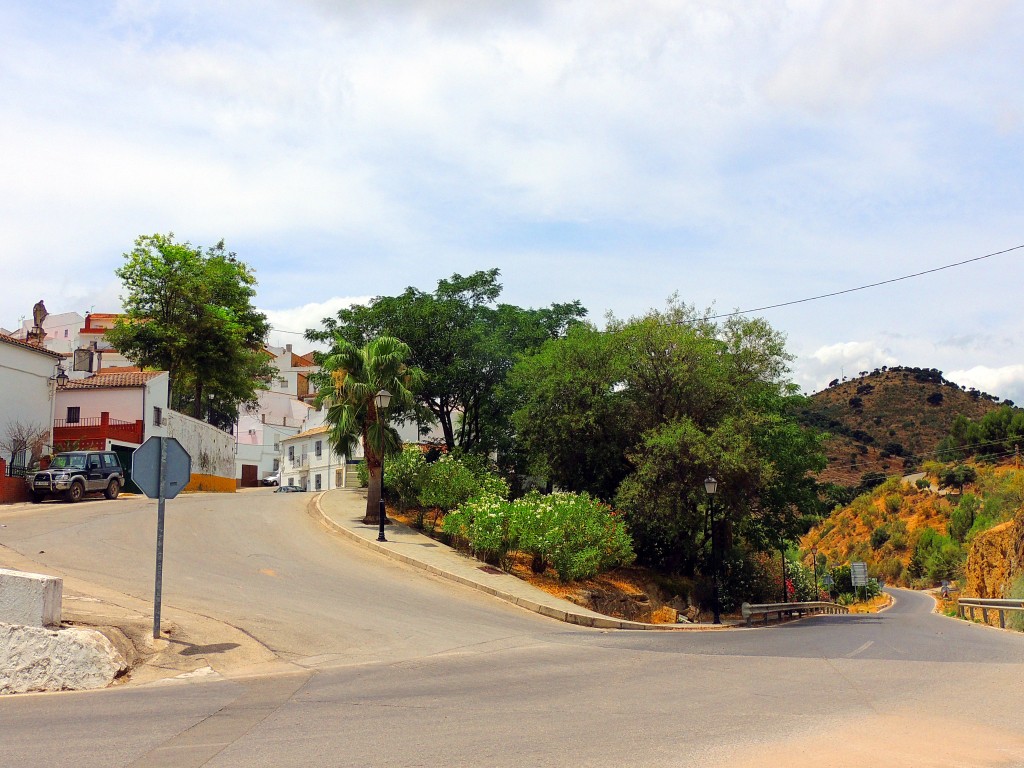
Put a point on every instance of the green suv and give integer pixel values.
(76, 473)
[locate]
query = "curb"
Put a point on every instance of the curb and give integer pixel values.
(569, 617)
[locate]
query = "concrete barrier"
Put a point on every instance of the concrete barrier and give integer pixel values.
(30, 599)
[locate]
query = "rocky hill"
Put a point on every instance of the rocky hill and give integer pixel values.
(888, 420)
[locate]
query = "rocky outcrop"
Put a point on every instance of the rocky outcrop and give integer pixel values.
(69, 659)
(995, 560)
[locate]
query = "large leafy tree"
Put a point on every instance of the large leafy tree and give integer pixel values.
(465, 341)
(189, 311)
(642, 412)
(348, 382)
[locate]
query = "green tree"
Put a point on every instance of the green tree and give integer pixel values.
(189, 312)
(465, 341)
(348, 382)
(645, 411)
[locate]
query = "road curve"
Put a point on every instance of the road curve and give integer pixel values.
(397, 668)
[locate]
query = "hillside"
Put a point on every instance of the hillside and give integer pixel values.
(918, 536)
(888, 420)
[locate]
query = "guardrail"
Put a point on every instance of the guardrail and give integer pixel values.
(780, 609)
(965, 604)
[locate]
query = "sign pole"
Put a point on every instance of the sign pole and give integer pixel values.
(162, 499)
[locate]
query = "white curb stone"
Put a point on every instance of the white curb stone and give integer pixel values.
(70, 659)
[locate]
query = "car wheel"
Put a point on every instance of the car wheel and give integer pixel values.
(37, 497)
(74, 493)
(113, 489)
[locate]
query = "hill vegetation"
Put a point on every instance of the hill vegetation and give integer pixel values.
(888, 421)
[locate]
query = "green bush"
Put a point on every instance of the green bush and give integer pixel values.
(403, 477)
(482, 523)
(879, 536)
(450, 482)
(893, 503)
(363, 473)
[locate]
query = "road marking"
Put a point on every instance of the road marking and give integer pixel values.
(268, 572)
(860, 650)
(196, 746)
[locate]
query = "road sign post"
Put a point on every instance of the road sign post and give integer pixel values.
(161, 467)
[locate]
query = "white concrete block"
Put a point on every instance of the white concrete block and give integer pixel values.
(31, 599)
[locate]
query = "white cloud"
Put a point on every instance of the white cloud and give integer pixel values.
(290, 323)
(1006, 381)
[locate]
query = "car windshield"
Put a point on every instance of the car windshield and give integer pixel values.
(68, 460)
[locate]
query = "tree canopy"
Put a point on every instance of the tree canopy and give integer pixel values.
(189, 311)
(642, 412)
(464, 341)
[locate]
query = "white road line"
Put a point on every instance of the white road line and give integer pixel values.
(860, 650)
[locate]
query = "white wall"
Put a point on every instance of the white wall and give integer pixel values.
(25, 387)
(156, 393)
(124, 403)
(212, 450)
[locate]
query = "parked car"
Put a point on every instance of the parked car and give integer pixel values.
(274, 478)
(290, 489)
(75, 473)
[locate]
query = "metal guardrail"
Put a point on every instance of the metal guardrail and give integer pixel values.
(780, 609)
(965, 604)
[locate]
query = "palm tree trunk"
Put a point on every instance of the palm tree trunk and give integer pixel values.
(373, 493)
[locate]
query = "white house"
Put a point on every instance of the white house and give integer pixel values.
(259, 432)
(25, 384)
(107, 408)
(308, 461)
(67, 332)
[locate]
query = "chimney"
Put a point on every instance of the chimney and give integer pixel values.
(289, 348)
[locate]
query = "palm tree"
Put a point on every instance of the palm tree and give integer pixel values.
(352, 377)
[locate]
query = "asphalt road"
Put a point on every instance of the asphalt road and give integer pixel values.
(401, 669)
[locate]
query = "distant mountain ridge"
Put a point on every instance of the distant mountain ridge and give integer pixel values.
(889, 420)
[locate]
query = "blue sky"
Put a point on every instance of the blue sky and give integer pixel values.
(740, 154)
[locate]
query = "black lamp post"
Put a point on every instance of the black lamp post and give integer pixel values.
(711, 486)
(814, 562)
(60, 377)
(382, 399)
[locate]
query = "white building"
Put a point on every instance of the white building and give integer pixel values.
(27, 392)
(67, 332)
(258, 434)
(308, 461)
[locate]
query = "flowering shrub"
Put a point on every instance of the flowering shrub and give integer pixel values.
(576, 534)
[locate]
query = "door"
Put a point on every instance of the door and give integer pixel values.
(94, 472)
(250, 475)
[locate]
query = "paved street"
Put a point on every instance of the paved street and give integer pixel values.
(387, 665)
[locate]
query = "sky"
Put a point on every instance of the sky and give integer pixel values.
(738, 154)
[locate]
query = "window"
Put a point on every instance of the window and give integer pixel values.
(317, 481)
(291, 481)
(318, 448)
(282, 383)
(277, 464)
(291, 455)
(110, 461)
(158, 416)
(94, 461)
(74, 414)
(65, 333)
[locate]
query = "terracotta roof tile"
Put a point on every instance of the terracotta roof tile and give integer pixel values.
(309, 432)
(19, 343)
(113, 380)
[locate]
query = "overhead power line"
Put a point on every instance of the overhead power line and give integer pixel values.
(864, 287)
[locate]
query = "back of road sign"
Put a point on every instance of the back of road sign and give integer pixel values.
(859, 574)
(146, 467)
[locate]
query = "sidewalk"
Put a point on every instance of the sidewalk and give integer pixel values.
(342, 511)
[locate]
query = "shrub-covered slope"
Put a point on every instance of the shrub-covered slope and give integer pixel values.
(888, 420)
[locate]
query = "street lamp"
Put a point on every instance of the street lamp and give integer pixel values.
(814, 562)
(382, 399)
(711, 486)
(59, 379)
